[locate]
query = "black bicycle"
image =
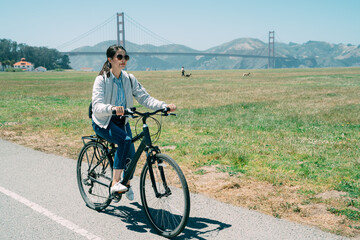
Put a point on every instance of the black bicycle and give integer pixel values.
(163, 188)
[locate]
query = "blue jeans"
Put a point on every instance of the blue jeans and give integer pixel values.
(120, 135)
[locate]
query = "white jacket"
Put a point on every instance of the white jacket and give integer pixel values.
(105, 92)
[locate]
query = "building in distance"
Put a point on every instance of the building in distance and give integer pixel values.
(40, 69)
(24, 65)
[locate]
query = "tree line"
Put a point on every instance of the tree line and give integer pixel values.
(12, 52)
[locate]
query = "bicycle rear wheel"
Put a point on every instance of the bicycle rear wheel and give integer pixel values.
(168, 212)
(94, 175)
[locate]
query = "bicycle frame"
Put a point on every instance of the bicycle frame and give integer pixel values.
(131, 168)
(145, 145)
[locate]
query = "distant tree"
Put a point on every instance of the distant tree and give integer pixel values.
(7, 63)
(5, 50)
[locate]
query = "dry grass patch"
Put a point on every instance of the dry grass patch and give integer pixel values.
(279, 201)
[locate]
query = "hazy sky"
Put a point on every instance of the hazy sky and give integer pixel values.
(199, 24)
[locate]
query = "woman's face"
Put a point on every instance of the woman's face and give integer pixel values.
(116, 63)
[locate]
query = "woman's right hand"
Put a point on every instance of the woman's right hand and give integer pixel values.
(119, 110)
(172, 107)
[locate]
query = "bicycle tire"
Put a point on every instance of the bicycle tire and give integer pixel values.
(94, 175)
(168, 214)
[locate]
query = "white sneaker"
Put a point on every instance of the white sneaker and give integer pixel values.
(130, 194)
(118, 187)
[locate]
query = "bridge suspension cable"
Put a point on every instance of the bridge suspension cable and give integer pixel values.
(106, 31)
(96, 29)
(151, 37)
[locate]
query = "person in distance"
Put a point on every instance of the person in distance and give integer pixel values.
(113, 91)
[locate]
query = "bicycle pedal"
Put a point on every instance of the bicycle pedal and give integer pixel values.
(116, 197)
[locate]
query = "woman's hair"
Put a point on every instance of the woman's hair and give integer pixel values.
(110, 53)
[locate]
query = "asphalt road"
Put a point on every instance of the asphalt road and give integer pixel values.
(39, 199)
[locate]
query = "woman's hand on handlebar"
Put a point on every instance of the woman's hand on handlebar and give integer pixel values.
(119, 110)
(172, 107)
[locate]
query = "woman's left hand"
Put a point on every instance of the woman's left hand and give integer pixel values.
(119, 110)
(172, 107)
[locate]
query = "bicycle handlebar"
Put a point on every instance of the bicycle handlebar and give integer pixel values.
(130, 112)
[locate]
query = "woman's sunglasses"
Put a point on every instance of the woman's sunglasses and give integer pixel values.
(120, 57)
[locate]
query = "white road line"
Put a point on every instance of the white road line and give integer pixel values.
(66, 223)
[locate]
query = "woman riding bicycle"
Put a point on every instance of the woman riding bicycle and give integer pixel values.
(113, 91)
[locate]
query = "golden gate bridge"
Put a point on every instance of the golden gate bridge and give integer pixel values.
(139, 34)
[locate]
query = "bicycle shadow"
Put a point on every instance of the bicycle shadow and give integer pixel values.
(196, 228)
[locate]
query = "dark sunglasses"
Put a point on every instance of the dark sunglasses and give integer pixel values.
(120, 57)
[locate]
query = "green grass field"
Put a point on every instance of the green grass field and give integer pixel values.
(295, 127)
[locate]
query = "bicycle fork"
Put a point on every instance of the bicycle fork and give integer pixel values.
(150, 160)
(151, 152)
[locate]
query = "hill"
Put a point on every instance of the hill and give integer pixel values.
(312, 54)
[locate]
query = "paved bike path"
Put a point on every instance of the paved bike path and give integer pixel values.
(39, 199)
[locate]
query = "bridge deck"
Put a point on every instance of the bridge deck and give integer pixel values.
(179, 53)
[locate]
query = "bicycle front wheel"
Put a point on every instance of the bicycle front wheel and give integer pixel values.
(167, 203)
(94, 175)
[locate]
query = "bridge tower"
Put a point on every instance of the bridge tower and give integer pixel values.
(271, 59)
(120, 26)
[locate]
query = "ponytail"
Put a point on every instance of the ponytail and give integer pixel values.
(105, 69)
